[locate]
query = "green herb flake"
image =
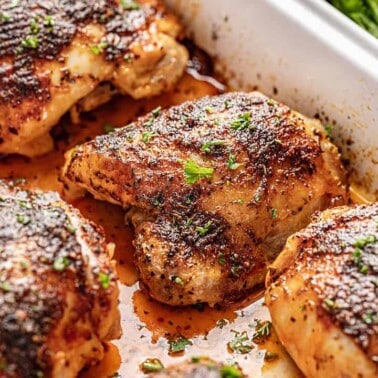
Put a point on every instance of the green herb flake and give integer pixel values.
(235, 268)
(226, 104)
(104, 280)
(205, 229)
(240, 343)
(329, 303)
(34, 27)
(151, 364)
(242, 122)
(231, 162)
(262, 331)
(98, 49)
(221, 323)
(270, 356)
(270, 102)
(61, 263)
(328, 131)
(23, 219)
(30, 42)
(364, 269)
(230, 371)
(156, 112)
(274, 213)
(5, 286)
(128, 58)
(70, 228)
(130, 5)
(193, 172)
(362, 242)
(48, 21)
(370, 318)
(109, 128)
(196, 360)
(207, 146)
(4, 16)
(221, 259)
(146, 136)
(25, 204)
(209, 110)
(178, 345)
(178, 280)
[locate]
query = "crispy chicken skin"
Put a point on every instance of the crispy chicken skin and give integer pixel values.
(215, 187)
(201, 367)
(55, 53)
(322, 294)
(58, 292)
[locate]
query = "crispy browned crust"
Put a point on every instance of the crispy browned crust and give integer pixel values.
(283, 176)
(35, 233)
(346, 285)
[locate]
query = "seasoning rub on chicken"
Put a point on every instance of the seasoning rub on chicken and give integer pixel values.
(215, 187)
(58, 292)
(322, 293)
(56, 53)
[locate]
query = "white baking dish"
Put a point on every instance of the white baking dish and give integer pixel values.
(307, 55)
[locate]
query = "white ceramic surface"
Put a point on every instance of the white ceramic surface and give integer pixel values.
(318, 60)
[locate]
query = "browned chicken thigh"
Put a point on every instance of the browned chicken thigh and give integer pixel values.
(323, 294)
(58, 291)
(215, 187)
(54, 54)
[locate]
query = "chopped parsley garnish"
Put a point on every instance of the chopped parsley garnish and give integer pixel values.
(196, 360)
(242, 122)
(270, 356)
(109, 128)
(193, 172)
(178, 280)
(23, 219)
(230, 371)
(104, 280)
(98, 49)
(231, 162)
(5, 286)
(221, 259)
(61, 263)
(328, 130)
(178, 345)
(370, 318)
(274, 213)
(146, 136)
(34, 27)
(240, 343)
(128, 58)
(221, 323)
(25, 205)
(30, 42)
(358, 252)
(130, 5)
(209, 109)
(362, 242)
(155, 112)
(207, 146)
(262, 331)
(226, 104)
(70, 228)
(270, 102)
(4, 17)
(151, 364)
(205, 229)
(49, 22)
(329, 303)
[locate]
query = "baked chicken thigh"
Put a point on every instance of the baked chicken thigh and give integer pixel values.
(56, 53)
(215, 187)
(58, 292)
(322, 293)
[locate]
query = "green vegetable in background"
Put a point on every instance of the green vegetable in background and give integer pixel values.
(362, 12)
